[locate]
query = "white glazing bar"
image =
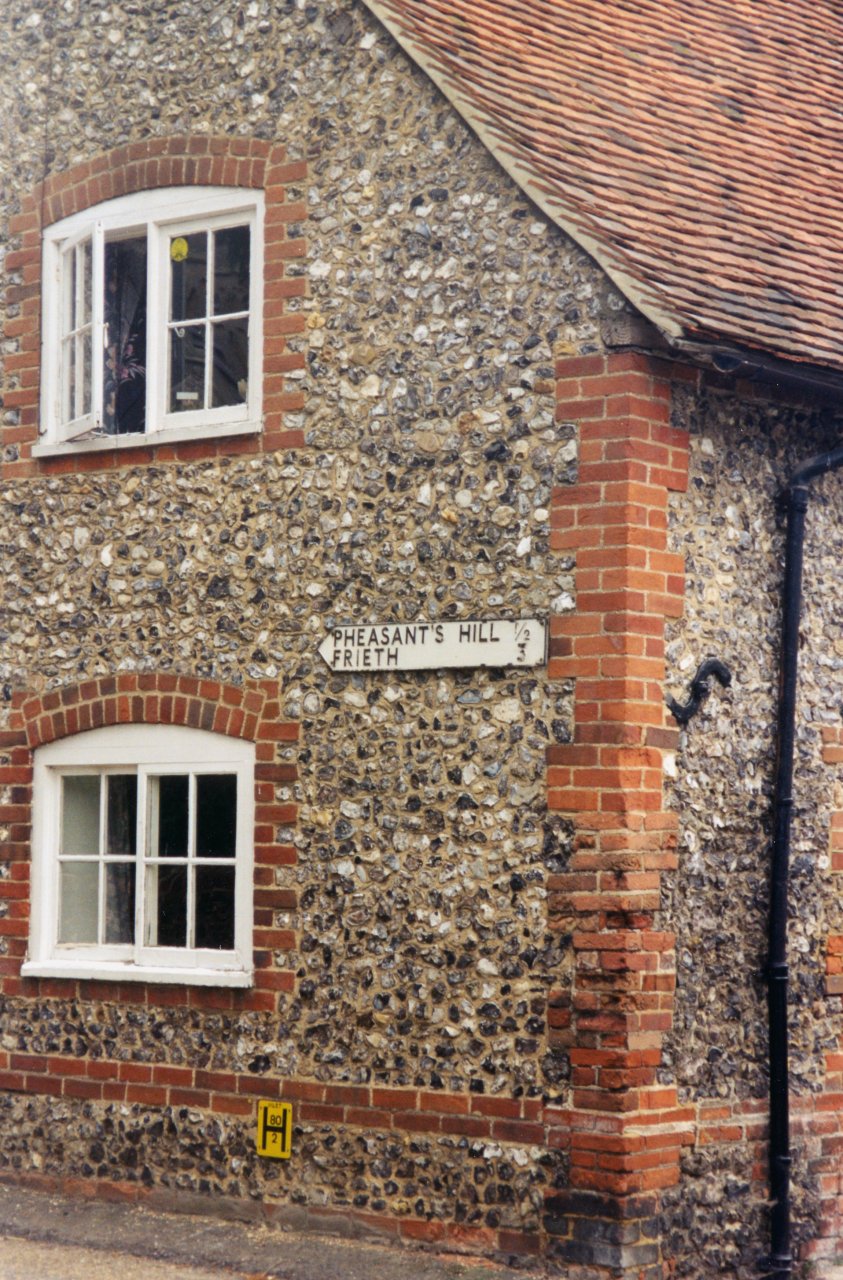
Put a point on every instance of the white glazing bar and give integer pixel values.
(140, 858)
(210, 256)
(101, 887)
(191, 862)
(78, 354)
(98, 335)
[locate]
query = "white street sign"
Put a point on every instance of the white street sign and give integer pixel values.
(424, 646)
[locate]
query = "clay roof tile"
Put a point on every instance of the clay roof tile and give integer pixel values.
(692, 147)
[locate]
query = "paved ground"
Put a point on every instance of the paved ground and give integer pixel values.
(50, 1237)
(28, 1259)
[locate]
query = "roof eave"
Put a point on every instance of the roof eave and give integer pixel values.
(758, 364)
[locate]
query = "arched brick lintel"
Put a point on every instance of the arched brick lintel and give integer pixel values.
(183, 160)
(250, 712)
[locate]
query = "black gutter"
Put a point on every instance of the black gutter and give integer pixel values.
(796, 500)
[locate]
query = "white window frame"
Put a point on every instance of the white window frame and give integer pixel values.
(160, 214)
(149, 750)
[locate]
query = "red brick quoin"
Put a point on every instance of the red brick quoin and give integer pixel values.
(252, 713)
(142, 166)
(819, 1117)
(624, 1131)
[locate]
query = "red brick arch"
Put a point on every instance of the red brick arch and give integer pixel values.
(150, 698)
(184, 160)
(158, 162)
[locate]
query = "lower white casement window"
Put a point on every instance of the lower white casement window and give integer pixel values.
(152, 308)
(142, 857)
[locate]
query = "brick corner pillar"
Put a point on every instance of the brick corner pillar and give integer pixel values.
(624, 1128)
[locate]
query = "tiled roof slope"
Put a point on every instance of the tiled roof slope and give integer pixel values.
(693, 147)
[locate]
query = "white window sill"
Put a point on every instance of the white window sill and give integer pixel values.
(144, 439)
(111, 971)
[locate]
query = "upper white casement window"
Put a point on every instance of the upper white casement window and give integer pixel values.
(152, 319)
(142, 857)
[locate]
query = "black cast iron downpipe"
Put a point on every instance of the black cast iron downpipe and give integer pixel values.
(796, 499)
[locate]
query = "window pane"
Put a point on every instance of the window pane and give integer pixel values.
(78, 893)
(231, 362)
(76, 332)
(124, 369)
(189, 276)
(69, 301)
(68, 379)
(80, 819)
(171, 839)
(216, 815)
(215, 907)
(83, 356)
(187, 368)
(167, 888)
(119, 902)
(86, 290)
(231, 270)
(122, 817)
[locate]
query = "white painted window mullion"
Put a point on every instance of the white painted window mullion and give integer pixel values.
(101, 872)
(191, 862)
(157, 315)
(209, 311)
(140, 867)
(98, 333)
(79, 407)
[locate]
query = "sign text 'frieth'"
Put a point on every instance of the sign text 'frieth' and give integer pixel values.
(424, 646)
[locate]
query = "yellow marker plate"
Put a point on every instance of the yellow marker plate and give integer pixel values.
(275, 1130)
(178, 249)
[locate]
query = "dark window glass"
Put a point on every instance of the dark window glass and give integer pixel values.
(231, 271)
(124, 372)
(122, 814)
(119, 902)
(172, 816)
(187, 368)
(216, 815)
(230, 382)
(189, 265)
(172, 906)
(215, 907)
